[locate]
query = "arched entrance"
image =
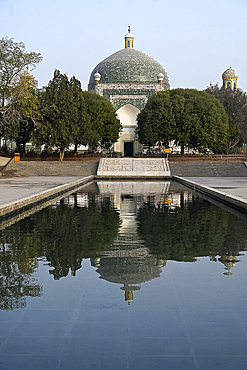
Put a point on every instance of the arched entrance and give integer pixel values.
(127, 143)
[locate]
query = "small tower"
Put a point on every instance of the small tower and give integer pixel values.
(129, 39)
(160, 78)
(96, 78)
(230, 79)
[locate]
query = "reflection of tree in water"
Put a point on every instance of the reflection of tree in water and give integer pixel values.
(64, 234)
(195, 229)
(16, 281)
(70, 234)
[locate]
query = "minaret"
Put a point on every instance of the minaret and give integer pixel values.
(230, 79)
(129, 39)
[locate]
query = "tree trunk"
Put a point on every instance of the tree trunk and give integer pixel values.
(75, 149)
(182, 149)
(61, 154)
(75, 200)
(18, 147)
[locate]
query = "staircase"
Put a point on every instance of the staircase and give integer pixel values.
(133, 168)
(208, 169)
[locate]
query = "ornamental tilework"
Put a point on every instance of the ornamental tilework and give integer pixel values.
(128, 65)
(137, 101)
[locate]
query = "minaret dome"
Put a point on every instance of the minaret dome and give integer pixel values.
(230, 79)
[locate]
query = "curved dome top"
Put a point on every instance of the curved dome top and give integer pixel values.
(129, 66)
(129, 34)
(230, 72)
(28, 73)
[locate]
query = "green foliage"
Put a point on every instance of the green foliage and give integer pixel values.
(19, 115)
(189, 117)
(235, 104)
(105, 124)
(13, 60)
(55, 102)
(80, 121)
(151, 128)
(17, 91)
(72, 116)
(201, 121)
(235, 139)
(64, 119)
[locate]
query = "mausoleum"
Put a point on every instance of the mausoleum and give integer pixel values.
(127, 79)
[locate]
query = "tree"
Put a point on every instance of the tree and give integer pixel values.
(82, 127)
(234, 139)
(64, 119)
(235, 104)
(156, 121)
(105, 124)
(13, 61)
(189, 117)
(71, 116)
(20, 113)
(201, 122)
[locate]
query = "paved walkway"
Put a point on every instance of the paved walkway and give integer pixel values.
(15, 188)
(236, 186)
(231, 192)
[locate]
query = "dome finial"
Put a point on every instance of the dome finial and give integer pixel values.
(129, 39)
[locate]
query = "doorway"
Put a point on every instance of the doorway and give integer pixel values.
(128, 148)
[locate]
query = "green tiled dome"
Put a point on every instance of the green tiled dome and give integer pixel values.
(129, 66)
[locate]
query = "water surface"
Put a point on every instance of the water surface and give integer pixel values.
(124, 276)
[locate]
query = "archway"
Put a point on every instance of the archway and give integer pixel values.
(127, 140)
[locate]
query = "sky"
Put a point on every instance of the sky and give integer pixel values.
(194, 40)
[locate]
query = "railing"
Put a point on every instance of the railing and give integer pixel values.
(3, 167)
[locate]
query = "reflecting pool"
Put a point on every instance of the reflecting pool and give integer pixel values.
(124, 275)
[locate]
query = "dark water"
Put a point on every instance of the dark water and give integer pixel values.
(124, 276)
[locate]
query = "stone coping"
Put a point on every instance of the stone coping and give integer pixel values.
(231, 201)
(9, 209)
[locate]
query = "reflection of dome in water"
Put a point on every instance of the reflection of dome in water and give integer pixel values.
(229, 262)
(128, 266)
(128, 270)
